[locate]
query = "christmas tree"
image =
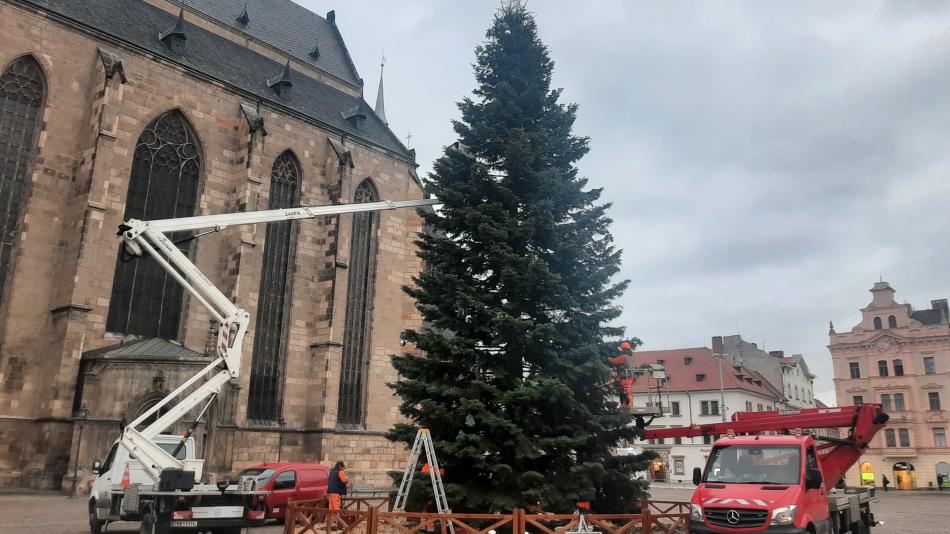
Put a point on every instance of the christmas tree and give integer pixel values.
(517, 298)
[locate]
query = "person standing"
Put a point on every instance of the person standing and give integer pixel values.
(336, 488)
(885, 482)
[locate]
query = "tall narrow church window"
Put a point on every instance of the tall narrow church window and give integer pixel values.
(359, 308)
(166, 166)
(265, 401)
(22, 89)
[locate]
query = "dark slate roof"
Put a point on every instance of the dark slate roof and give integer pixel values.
(145, 349)
(288, 27)
(928, 316)
(139, 24)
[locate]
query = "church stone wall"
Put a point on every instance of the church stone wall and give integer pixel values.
(66, 259)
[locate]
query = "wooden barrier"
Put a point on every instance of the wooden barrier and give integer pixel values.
(657, 517)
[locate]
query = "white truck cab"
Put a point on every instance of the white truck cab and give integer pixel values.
(110, 472)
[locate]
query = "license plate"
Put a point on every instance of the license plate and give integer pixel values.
(184, 524)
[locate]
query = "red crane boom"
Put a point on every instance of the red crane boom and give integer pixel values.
(837, 454)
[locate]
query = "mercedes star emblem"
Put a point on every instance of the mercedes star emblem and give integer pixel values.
(732, 517)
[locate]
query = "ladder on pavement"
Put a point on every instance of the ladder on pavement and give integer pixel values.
(423, 442)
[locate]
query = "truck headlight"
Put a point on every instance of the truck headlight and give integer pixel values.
(784, 515)
(695, 512)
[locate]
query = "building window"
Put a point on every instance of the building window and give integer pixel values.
(709, 408)
(748, 406)
(892, 322)
(674, 408)
(22, 91)
(857, 400)
(359, 308)
(882, 367)
(146, 301)
(930, 367)
(679, 465)
(677, 441)
(940, 437)
(855, 369)
(899, 402)
(877, 323)
(889, 437)
(898, 367)
(886, 402)
(707, 439)
(934, 398)
(265, 398)
(904, 436)
(760, 408)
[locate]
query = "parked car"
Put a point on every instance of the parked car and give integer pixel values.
(289, 481)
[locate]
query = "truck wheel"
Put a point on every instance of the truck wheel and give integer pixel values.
(152, 524)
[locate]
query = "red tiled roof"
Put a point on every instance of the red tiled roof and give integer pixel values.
(682, 376)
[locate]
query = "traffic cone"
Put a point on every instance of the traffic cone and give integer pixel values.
(125, 477)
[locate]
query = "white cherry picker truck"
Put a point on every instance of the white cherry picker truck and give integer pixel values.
(176, 500)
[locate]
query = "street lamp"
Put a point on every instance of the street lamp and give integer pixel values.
(79, 417)
(722, 389)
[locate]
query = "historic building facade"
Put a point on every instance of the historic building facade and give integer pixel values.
(899, 357)
(140, 108)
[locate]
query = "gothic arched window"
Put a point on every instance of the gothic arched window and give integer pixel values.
(359, 308)
(22, 90)
(265, 398)
(164, 184)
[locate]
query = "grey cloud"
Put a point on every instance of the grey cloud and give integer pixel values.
(767, 161)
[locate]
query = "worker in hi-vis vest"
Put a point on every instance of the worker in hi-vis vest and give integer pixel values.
(623, 366)
(336, 488)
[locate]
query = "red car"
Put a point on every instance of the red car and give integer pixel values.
(289, 481)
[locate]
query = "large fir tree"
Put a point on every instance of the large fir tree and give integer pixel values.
(517, 300)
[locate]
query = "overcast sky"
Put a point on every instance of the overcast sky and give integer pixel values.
(767, 161)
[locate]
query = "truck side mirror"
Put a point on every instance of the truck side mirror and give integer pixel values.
(697, 476)
(813, 479)
(96, 466)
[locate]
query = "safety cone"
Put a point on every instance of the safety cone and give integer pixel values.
(125, 477)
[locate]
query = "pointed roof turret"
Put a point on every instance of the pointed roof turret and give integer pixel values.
(380, 103)
(831, 328)
(243, 18)
(281, 83)
(175, 37)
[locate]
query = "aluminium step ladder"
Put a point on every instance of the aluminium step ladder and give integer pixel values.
(423, 441)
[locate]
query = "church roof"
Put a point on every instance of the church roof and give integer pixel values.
(138, 23)
(143, 349)
(288, 27)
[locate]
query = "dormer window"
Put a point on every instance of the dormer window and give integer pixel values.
(700, 377)
(688, 360)
(174, 37)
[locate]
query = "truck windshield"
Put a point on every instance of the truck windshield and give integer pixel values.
(170, 449)
(746, 464)
(263, 476)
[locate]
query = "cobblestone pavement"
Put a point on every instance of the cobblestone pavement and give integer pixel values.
(51, 513)
(901, 512)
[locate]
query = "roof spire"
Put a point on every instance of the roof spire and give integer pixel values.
(175, 37)
(380, 104)
(281, 83)
(243, 18)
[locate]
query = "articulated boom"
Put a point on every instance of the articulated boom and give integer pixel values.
(149, 238)
(837, 455)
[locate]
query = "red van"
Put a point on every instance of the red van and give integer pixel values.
(289, 481)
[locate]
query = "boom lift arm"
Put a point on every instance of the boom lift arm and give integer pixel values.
(836, 455)
(149, 237)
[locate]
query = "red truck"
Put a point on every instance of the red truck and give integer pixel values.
(768, 475)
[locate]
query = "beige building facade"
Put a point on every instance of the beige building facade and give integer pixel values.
(129, 108)
(899, 357)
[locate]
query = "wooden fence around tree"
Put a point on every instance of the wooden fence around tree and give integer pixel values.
(656, 517)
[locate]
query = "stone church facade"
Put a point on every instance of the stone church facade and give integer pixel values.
(140, 108)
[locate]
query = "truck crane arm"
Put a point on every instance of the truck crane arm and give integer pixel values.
(836, 455)
(149, 238)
